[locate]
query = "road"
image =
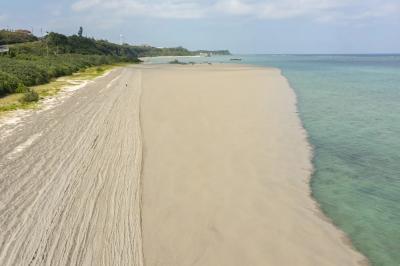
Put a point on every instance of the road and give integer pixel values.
(70, 178)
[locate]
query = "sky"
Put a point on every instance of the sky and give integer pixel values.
(242, 26)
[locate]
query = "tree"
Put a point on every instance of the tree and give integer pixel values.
(80, 32)
(56, 39)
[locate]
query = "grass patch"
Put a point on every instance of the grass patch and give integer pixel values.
(15, 102)
(91, 72)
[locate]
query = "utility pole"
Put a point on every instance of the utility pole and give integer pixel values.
(47, 45)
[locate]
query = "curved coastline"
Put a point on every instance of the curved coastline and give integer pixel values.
(321, 213)
(194, 120)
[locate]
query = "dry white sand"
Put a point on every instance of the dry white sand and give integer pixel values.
(70, 178)
(226, 170)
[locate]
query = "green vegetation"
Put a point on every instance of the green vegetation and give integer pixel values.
(80, 32)
(24, 70)
(16, 100)
(21, 88)
(149, 51)
(33, 63)
(216, 52)
(10, 37)
(56, 44)
(8, 83)
(30, 96)
(177, 62)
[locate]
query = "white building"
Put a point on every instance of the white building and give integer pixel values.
(4, 49)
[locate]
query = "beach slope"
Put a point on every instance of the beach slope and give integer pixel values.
(226, 171)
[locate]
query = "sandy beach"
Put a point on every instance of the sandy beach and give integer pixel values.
(226, 169)
(70, 177)
(164, 165)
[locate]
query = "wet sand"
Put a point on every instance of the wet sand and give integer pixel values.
(226, 171)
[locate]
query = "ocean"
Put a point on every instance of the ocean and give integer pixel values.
(350, 107)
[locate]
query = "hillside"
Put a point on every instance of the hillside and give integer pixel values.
(11, 37)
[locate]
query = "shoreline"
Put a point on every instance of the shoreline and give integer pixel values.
(321, 213)
(149, 218)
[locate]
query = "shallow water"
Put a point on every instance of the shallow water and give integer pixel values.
(350, 106)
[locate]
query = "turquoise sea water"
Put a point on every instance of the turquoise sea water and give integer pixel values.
(350, 107)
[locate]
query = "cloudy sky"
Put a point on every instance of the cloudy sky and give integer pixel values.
(243, 26)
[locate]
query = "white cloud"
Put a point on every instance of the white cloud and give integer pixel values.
(162, 9)
(317, 10)
(234, 7)
(385, 9)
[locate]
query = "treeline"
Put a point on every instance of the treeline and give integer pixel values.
(148, 51)
(34, 63)
(56, 44)
(211, 52)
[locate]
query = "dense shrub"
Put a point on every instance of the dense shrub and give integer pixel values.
(8, 83)
(21, 88)
(56, 44)
(30, 96)
(33, 63)
(177, 62)
(29, 70)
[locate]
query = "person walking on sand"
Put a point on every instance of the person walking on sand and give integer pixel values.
(126, 84)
